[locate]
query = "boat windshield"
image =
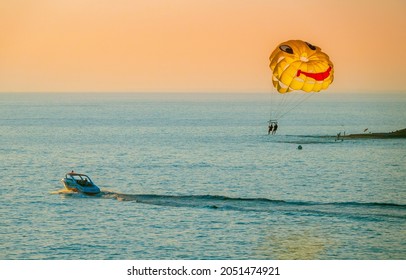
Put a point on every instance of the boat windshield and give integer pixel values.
(81, 179)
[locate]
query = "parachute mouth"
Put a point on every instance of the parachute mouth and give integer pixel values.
(317, 76)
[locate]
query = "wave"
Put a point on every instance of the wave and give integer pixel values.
(370, 204)
(303, 139)
(370, 210)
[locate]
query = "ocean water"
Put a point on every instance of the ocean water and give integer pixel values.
(195, 176)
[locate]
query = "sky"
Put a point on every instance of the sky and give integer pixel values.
(194, 46)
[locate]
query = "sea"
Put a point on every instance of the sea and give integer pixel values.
(195, 176)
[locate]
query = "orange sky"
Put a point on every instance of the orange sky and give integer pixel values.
(194, 46)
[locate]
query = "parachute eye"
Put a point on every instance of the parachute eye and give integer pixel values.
(311, 46)
(286, 49)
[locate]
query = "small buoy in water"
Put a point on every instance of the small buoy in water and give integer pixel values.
(299, 147)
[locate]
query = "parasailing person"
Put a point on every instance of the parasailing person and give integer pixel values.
(299, 69)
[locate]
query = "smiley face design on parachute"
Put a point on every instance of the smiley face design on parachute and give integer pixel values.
(298, 65)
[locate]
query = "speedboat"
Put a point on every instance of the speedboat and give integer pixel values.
(79, 183)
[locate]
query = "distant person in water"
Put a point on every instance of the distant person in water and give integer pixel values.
(270, 128)
(275, 127)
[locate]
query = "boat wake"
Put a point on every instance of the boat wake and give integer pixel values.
(356, 210)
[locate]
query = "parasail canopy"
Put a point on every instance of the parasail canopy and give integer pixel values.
(299, 69)
(299, 65)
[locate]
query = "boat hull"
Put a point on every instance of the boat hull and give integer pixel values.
(72, 185)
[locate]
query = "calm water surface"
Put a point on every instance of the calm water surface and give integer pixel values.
(197, 177)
